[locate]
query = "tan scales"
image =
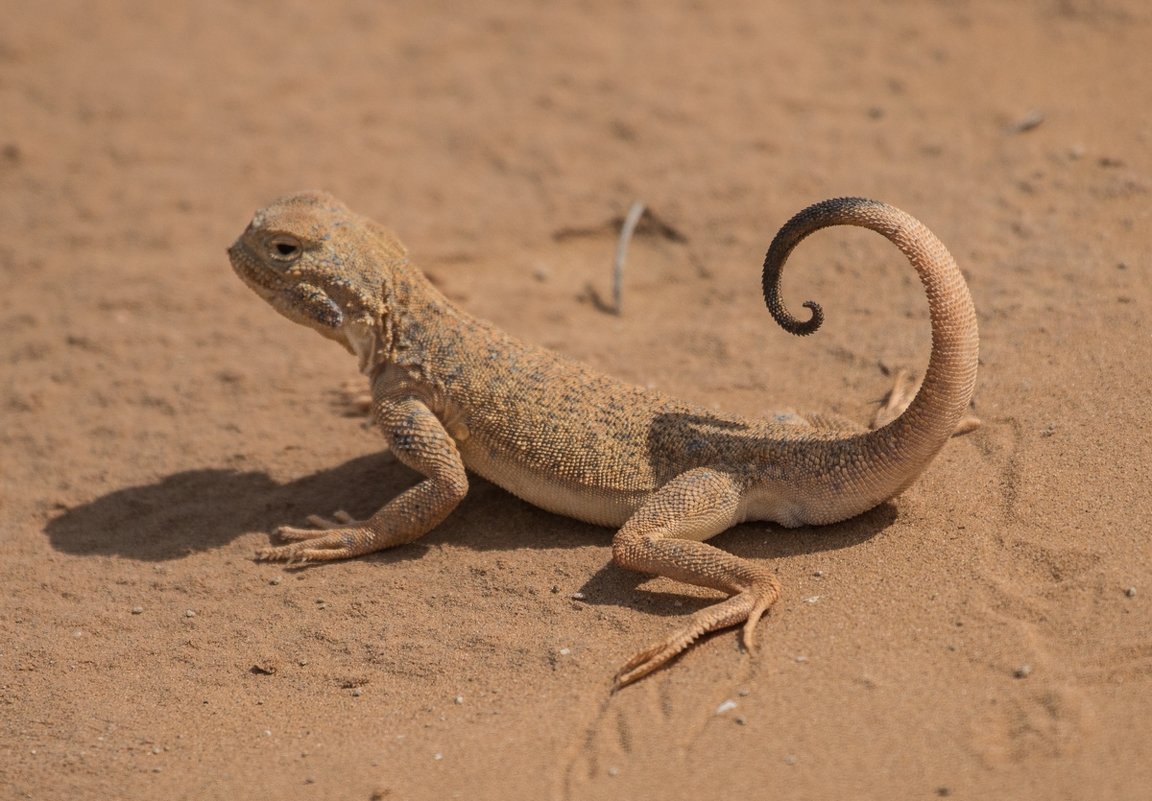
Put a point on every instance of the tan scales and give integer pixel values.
(453, 394)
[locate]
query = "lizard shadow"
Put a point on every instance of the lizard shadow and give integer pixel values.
(198, 510)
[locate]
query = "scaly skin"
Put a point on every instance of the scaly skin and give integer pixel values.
(453, 394)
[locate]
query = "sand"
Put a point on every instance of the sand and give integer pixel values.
(985, 635)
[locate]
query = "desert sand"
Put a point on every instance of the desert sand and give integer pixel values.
(988, 634)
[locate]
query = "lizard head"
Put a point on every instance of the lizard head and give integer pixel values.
(321, 265)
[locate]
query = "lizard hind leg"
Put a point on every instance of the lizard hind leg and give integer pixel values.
(665, 537)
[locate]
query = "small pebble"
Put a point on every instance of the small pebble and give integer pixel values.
(801, 658)
(565, 651)
(355, 692)
(1023, 672)
(1130, 592)
(613, 771)
(577, 596)
(137, 610)
(725, 707)
(744, 692)
(438, 755)
(790, 760)
(458, 700)
(275, 581)
(1029, 121)
(189, 613)
(812, 599)
(740, 720)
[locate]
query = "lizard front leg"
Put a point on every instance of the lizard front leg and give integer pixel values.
(665, 536)
(419, 440)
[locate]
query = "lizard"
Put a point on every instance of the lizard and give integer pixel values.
(453, 395)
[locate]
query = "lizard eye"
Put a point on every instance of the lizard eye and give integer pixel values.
(284, 248)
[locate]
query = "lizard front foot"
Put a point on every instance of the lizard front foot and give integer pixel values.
(746, 607)
(331, 539)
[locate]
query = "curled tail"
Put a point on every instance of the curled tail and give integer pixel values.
(887, 460)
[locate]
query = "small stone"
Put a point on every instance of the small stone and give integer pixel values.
(1023, 672)
(740, 720)
(577, 596)
(356, 692)
(790, 759)
(458, 700)
(726, 706)
(189, 613)
(137, 610)
(801, 658)
(1130, 592)
(744, 692)
(818, 574)
(812, 599)
(275, 581)
(1028, 122)
(613, 771)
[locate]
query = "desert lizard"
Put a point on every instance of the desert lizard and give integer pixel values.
(453, 394)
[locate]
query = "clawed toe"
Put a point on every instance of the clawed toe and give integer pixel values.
(326, 548)
(323, 526)
(339, 518)
(647, 661)
(310, 546)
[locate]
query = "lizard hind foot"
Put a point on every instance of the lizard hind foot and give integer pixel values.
(746, 607)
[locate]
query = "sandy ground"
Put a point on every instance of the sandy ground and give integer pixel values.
(986, 635)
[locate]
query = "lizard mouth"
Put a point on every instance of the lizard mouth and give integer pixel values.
(299, 301)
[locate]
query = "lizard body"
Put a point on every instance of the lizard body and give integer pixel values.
(452, 393)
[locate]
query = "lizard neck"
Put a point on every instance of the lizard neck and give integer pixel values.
(415, 323)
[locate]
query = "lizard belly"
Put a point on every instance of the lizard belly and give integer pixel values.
(598, 505)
